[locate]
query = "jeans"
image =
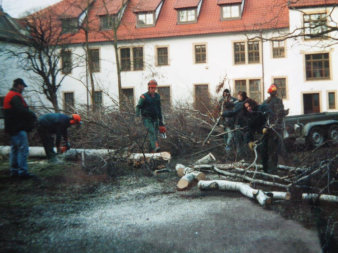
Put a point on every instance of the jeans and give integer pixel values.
(152, 127)
(19, 153)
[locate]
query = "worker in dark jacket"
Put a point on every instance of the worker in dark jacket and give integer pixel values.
(55, 124)
(18, 121)
(149, 107)
(258, 116)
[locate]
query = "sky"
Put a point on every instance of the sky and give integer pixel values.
(18, 8)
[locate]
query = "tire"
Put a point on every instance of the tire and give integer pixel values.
(315, 137)
(333, 134)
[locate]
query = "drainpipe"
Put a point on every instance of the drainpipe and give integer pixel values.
(263, 86)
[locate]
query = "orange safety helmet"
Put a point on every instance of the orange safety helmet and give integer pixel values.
(152, 83)
(76, 119)
(272, 88)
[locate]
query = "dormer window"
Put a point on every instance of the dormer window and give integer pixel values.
(147, 12)
(145, 19)
(188, 11)
(185, 16)
(107, 22)
(231, 9)
(69, 25)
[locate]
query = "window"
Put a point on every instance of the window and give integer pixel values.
(239, 52)
(162, 56)
(145, 19)
(127, 99)
(94, 60)
(2, 107)
(231, 11)
(187, 16)
(165, 97)
(107, 22)
(240, 85)
(315, 25)
(202, 101)
(254, 90)
(68, 98)
(332, 100)
(69, 25)
(66, 61)
(278, 49)
(249, 50)
(98, 99)
(127, 58)
(311, 103)
(253, 51)
(138, 58)
(317, 66)
(200, 54)
(281, 87)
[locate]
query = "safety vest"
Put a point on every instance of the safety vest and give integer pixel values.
(9, 97)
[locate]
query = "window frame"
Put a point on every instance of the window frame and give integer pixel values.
(335, 99)
(231, 10)
(107, 21)
(169, 104)
(93, 65)
(122, 101)
(200, 54)
(68, 27)
(195, 98)
(247, 87)
(312, 35)
(240, 53)
(98, 105)
(132, 60)
(313, 70)
(158, 56)
(138, 62)
(279, 88)
(138, 24)
(65, 69)
(253, 52)
(186, 11)
(66, 105)
(278, 48)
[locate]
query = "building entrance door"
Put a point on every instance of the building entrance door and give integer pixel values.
(311, 103)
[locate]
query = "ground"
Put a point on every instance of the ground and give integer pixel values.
(69, 210)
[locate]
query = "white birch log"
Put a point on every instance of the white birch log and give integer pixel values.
(279, 195)
(206, 159)
(187, 179)
(165, 156)
(182, 170)
(243, 188)
(322, 197)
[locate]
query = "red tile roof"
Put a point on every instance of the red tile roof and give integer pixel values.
(221, 2)
(181, 4)
(104, 7)
(146, 5)
(273, 15)
(70, 8)
(312, 3)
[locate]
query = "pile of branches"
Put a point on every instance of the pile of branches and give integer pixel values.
(318, 182)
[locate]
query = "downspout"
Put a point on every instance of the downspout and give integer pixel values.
(263, 75)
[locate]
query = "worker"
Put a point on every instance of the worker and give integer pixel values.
(149, 107)
(19, 120)
(257, 118)
(56, 124)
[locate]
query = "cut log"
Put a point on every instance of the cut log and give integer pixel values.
(165, 156)
(182, 170)
(243, 188)
(187, 179)
(321, 197)
(206, 159)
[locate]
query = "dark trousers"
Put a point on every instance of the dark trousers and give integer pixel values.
(47, 140)
(269, 151)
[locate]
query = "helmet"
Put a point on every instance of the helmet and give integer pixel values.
(152, 83)
(272, 88)
(76, 119)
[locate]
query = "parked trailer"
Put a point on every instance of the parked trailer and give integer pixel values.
(316, 128)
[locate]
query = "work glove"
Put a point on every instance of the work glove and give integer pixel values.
(265, 130)
(162, 129)
(251, 145)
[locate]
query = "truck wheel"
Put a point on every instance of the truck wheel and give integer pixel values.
(316, 137)
(333, 134)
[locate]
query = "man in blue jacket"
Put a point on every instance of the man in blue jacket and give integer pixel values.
(55, 124)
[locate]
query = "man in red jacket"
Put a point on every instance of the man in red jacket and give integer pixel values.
(18, 121)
